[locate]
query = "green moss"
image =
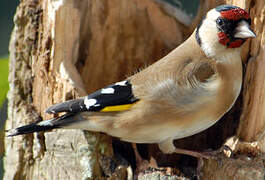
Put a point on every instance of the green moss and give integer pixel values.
(3, 79)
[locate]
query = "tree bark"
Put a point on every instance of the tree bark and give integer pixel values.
(65, 49)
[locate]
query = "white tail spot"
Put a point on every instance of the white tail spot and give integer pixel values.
(107, 91)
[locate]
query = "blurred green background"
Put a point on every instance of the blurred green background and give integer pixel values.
(7, 11)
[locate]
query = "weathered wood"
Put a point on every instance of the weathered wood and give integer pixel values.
(243, 168)
(253, 116)
(63, 49)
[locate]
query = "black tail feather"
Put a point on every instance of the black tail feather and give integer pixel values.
(41, 126)
(34, 127)
(75, 105)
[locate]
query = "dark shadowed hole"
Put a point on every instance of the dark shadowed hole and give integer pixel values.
(124, 150)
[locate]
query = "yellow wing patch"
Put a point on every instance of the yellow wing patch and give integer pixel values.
(123, 107)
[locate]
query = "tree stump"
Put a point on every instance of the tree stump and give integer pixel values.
(61, 50)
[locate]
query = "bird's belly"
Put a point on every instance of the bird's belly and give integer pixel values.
(170, 125)
(158, 133)
(195, 127)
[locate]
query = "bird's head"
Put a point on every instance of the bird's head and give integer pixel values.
(224, 27)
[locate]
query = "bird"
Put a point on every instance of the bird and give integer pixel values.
(182, 94)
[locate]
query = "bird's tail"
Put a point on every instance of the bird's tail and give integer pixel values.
(46, 125)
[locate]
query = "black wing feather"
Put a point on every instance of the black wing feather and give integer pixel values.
(118, 94)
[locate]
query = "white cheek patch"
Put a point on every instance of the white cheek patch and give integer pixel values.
(122, 83)
(89, 102)
(107, 91)
(213, 15)
(208, 34)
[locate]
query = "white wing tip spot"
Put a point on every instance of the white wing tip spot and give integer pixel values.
(107, 91)
(121, 83)
(45, 123)
(89, 102)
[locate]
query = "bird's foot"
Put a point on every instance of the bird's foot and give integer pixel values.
(205, 154)
(201, 156)
(143, 165)
(213, 154)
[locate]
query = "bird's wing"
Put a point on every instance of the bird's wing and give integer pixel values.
(176, 85)
(115, 97)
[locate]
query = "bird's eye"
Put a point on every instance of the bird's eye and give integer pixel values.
(220, 21)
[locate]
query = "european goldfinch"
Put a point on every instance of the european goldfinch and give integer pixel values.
(182, 94)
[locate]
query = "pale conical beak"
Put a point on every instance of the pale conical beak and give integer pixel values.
(243, 31)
